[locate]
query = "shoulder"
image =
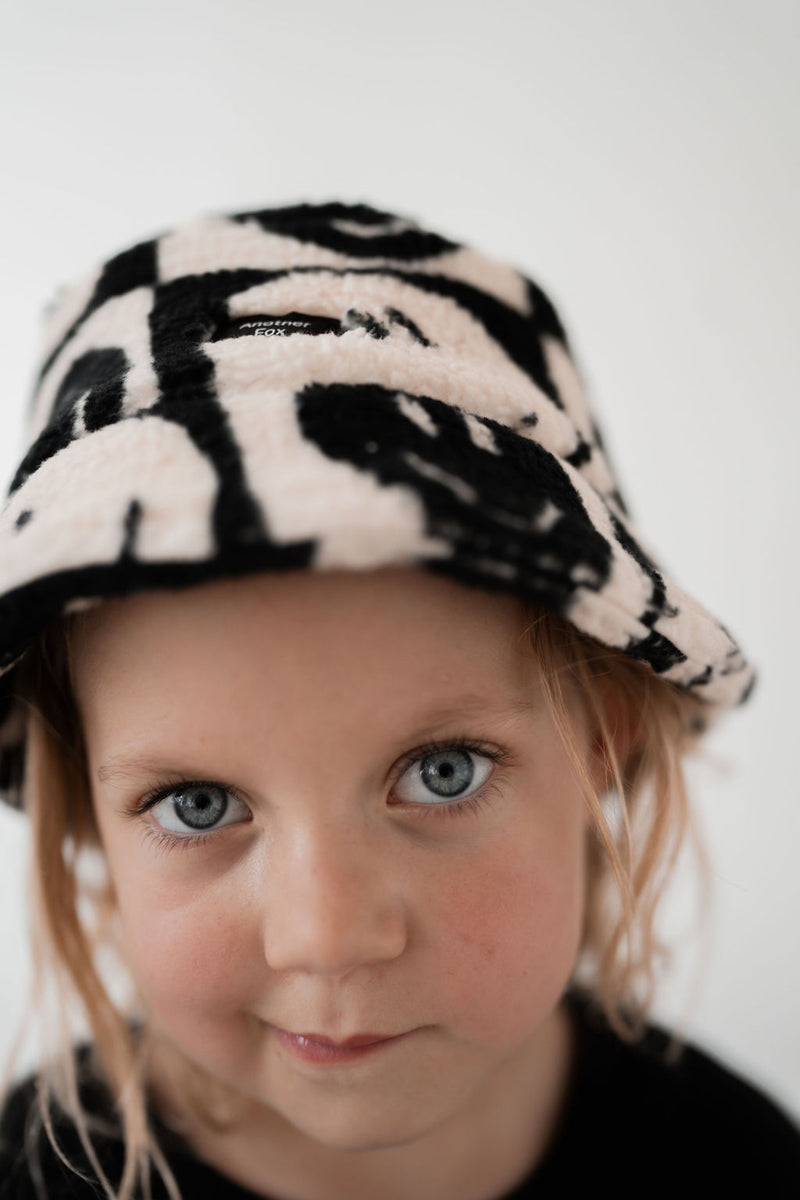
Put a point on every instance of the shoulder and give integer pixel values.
(678, 1109)
(20, 1144)
(27, 1156)
(19, 1102)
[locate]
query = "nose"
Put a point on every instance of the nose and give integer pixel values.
(333, 903)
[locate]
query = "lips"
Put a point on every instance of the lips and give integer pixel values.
(319, 1050)
(350, 1043)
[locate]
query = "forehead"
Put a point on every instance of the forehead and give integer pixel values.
(380, 629)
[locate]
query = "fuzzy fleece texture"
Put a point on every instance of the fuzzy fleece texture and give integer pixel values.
(322, 386)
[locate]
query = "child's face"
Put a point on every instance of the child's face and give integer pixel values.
(331, 897)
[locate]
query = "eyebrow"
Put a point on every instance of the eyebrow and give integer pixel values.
(469, 706)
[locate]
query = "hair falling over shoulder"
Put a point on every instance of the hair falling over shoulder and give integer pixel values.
(646, 728)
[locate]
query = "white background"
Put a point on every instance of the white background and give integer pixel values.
(640, 161)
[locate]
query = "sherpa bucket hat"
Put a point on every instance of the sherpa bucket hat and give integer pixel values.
(319, 386)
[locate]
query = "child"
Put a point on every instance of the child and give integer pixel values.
(349, 709)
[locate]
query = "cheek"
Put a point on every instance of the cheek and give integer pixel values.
(189, 945)
(510, 932)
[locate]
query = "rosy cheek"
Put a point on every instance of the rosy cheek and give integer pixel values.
(510, 931)
(189, 946)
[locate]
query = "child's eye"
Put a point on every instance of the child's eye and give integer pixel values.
(437, 779)
(445, 778)
(195, 808)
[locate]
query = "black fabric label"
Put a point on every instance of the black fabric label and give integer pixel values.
(263, 325)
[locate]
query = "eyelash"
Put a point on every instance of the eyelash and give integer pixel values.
(454, 808)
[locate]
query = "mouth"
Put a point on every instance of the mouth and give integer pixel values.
(357, 1039)
(317, 1048)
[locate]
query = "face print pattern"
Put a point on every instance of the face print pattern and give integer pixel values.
(325, 386)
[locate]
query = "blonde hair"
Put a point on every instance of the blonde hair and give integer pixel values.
(638, 827)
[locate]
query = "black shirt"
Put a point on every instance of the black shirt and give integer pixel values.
(634, 1125)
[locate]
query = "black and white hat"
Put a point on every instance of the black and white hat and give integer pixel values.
(324, 386)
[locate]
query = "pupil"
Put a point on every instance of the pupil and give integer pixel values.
(201, 809)
(448, 773)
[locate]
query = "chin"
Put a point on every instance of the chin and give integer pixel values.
(354, 1134)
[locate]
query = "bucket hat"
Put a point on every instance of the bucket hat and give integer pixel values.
(325, 386)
